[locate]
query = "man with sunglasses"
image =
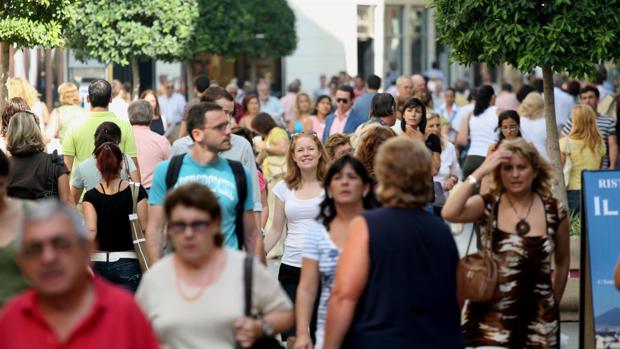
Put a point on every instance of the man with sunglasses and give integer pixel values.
(209, 127)
(344, 119)
(66, 307)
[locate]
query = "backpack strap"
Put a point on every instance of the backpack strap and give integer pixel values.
(242, 193)
(247, 285)
(174, 167)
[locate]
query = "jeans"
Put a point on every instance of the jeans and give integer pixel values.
(574, 201)
(125, 272)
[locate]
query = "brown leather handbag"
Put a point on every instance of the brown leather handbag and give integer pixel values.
(477, 274)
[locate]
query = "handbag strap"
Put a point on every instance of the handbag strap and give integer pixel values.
(247, 282)
(134, 188)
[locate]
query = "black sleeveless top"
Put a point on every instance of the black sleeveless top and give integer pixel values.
(410, 298)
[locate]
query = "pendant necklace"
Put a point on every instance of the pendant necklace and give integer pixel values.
(522, 227)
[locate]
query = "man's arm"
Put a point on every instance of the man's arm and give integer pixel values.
(69, 162)
(251, 236)
(155, 232)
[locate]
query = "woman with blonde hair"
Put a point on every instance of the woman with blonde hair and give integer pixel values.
(69, 111)
(20, 87)
(533, 128)
(377, 300)
(301, 120)
(297, 200)
(585, 149)
(36, 174)
(526, 231)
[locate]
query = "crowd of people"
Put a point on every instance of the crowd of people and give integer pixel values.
(349, 189)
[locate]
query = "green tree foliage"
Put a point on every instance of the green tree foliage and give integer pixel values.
(560, 35)
(272, 27)
(29, 23)
(123, 32)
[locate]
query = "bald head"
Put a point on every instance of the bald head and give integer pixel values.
(419, 83)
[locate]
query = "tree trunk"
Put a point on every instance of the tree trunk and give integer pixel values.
(553, 144)
(189, 72)
(49, 81)
(4, 73)
(135, 77)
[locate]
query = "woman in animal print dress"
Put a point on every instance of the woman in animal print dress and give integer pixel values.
(529, 228)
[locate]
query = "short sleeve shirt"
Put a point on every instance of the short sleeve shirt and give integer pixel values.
(87, 176)
(300, 218)
(581, 159)
(606, 127)
(79, 141)
(218, 177)
(32, 175)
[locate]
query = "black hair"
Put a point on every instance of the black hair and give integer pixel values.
(327, 208)
(382, 105)
(483, 99)
(523, 92)
(414, 103)
(201, 83)
(107, 132)
(347, 88)
(100, 93)
(507, 114)
(5, 166)
(590, 88)
(539, 86)
(318, 100)
(506, 87)
(452, 89)
(196, 116)
(373, 82)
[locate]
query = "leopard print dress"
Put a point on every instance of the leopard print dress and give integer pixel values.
(524, 313)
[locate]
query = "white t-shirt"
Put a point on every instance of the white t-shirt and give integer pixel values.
(319, 246)
(208, 321)
(300, 218)
(449, 164)
(482, 131)
(535, 132)
(461, 115)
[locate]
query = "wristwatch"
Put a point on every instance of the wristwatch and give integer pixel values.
(267, 330)
(473, 181)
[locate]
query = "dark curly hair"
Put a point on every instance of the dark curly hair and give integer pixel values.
(327, 208)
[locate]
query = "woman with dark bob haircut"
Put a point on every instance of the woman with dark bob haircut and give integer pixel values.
(381, 296)
(349, 193)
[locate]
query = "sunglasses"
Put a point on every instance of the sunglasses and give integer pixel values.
(304, 133)
(342, 100)
(178, 227)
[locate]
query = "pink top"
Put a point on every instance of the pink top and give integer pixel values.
(152, 149)
(318, 126)
(339, 122)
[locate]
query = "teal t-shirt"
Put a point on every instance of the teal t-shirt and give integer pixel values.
(218, 177)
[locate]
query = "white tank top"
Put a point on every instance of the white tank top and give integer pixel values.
(482, 131)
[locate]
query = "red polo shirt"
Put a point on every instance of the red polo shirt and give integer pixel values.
(114, 321)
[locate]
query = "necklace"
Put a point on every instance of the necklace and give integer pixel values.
(522, 227)
(191, 297)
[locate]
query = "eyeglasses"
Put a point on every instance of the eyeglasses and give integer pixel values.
(179, 227)
(221, 127)
(510, 128)
(342, 100)
(35, 249)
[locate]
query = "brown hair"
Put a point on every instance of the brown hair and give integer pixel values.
(68, 94)
(157, 110)
(263, 123)
(12, 106)
(334, 141)
(24, 136)
(293, 174)
(196, 196)
(544, 171)
(403, 170)
(371, 140)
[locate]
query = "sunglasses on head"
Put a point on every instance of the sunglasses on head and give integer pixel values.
(304, 133)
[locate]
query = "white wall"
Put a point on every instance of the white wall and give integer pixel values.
(326, 41)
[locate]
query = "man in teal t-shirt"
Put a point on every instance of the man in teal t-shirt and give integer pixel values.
(210, 129)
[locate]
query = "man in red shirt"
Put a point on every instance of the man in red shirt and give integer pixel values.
(66, 307)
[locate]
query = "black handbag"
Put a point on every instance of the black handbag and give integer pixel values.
(264, 342)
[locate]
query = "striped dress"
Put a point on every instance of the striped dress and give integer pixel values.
(524, 313)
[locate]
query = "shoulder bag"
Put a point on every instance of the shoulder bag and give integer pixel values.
(568, 163)
(137, 234)
(477, 274)
(264, 342)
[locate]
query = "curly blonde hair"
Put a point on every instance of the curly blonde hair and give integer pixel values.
(372, 139)
(532, 107)
(292, 178)
(20, 87)
(68, 94)
(404, 170)
(544, 172)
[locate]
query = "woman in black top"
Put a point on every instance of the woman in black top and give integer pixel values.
(413, 125)
(106, 212)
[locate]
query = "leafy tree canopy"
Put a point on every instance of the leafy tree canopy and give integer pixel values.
(572, 35)
(30, 23)
(115, 31)
(272, 27)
